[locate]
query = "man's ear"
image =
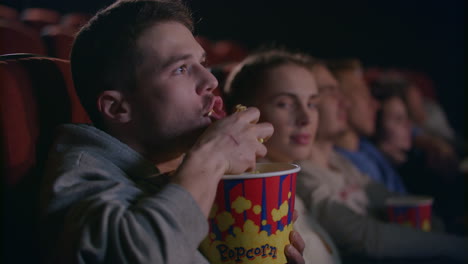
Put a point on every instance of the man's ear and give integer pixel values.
(114, 106)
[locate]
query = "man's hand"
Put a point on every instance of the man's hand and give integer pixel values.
(229, 146)
(294, 250)
(233, 142)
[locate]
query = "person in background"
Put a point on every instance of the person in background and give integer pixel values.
(394, 138)
(281, 85)
(354, 143)
(350, 205)
(140, 74)
(393, 126)
(431, 133)
(424, 108)
(432, 136)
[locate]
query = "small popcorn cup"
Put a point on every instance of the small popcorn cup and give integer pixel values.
(251, 217)
(414, 211)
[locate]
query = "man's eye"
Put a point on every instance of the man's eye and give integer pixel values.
(311, 105)
(181, 70)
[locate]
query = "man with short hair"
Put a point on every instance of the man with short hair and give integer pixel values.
(361, 124)
(140, 75)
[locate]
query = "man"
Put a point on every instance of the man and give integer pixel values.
(139, 74)
(348, 204)
(361, 123)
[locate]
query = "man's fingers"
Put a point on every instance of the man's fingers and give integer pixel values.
(264, 130)
(297, 241)
(251, 114)
(294, 250)
(261, 151)
(293, 256)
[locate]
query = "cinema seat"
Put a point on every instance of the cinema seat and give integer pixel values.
(36, 95)
(58, 40)
(8, 13)
(38, 18)
(75, 21)
(17, 38)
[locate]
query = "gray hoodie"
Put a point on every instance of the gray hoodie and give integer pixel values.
(102, 202)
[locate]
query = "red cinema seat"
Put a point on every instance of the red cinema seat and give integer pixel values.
(36, 95)
(38, 18)
(75, 20)
(17, 38)
(8, 13)
(58, 40)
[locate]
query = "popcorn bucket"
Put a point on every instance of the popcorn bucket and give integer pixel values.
(251, 217)
(414, 211)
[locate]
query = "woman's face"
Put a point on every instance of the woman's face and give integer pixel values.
(288, 101)
(395, 124)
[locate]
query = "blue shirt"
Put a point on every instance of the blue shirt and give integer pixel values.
(369, 160)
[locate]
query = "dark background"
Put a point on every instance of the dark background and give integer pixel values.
(422, 35)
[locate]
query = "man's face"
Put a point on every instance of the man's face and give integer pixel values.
(288, 101)
(362, 106)
(332, 107)
(173, 96)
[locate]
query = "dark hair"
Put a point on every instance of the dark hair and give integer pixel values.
(244, 81)
(105, 55)
(337, 66)
(383, 90)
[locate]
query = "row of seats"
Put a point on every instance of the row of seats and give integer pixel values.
(45, 31)
(36, 94)
(38, 31)
(38, 18)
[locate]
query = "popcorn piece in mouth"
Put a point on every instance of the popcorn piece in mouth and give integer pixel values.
(240, 108)
(217, 111)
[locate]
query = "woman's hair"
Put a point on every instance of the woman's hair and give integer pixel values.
(105, 55)
(245, 81)
(383, 90)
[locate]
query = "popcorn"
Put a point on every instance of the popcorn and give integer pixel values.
(240, 108)
(251, 218)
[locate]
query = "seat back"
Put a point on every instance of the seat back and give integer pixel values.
(75, 20)
(38, 18)
(8, 13)
(36, 95)
(15, 38)
(58, 40)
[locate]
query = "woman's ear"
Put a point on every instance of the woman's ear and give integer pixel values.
(114, 106)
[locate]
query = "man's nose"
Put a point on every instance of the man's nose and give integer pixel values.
(207, 82)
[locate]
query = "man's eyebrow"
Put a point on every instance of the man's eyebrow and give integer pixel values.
(174, 59)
